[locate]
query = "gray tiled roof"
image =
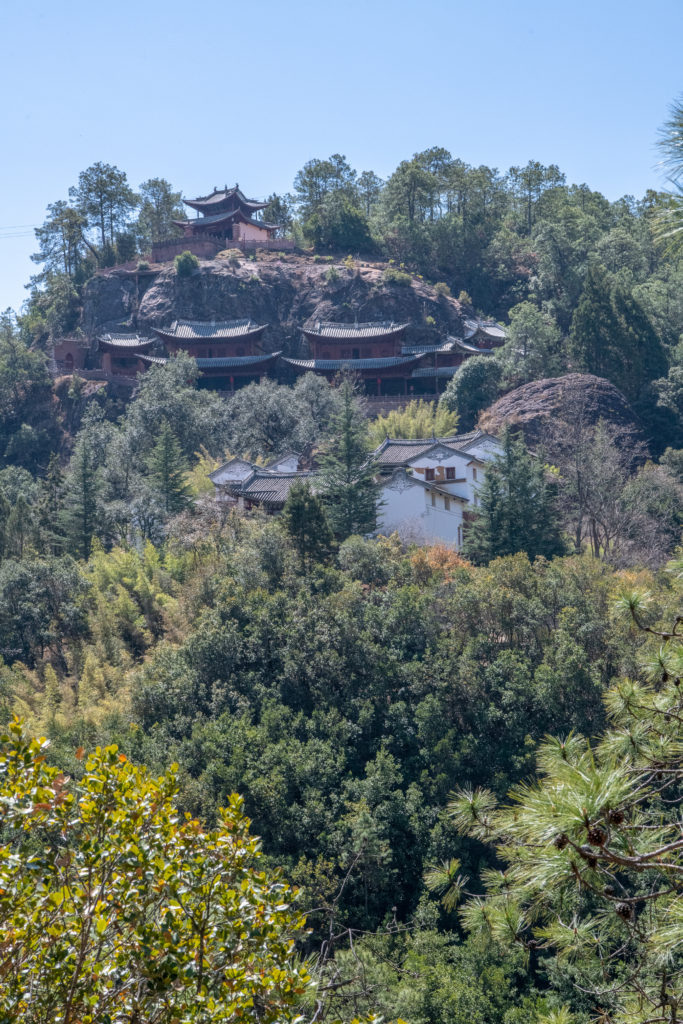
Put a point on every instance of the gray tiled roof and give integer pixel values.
(423, 350)
(399, 451)
(272, 488)
(489, 327)
(474, 349)
(226, 362)
(122, 340)
(352, 364)
(435, 371)
(223, 194)
(154, 360)
(201, 330)
(333, 330)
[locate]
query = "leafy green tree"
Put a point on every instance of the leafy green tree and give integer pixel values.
(369, 187)
(534, 346)
(113, 907)
(517, 508)
(345, 482)
(279, 211)
(159, 207)
(416, 419)
(305, 520)
(186, 264)
(592, 848)
(62, 249)
(338, 224)
(41, 609)
(320, 178)
(167, 470)
(474, 387)
(595, 330)
(104, 197)
(530, 182)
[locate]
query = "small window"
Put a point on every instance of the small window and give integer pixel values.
(447, 504)
(474, 472)
(450, 472)
(429, 474)
(433, 498)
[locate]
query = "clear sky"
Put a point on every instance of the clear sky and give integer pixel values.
(215, 92)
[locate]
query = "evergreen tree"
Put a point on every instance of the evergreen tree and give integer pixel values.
(595, 330)
(517, 508)
(474, 387)
(346, 483)
(167, 468)
(305, 520)
(82, 495)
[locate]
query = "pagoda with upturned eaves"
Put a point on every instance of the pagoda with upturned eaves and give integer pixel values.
(227, 216)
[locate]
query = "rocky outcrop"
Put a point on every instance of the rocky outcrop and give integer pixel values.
(535, 406)
(281, 290)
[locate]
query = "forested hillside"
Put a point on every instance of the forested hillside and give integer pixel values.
(373, 701)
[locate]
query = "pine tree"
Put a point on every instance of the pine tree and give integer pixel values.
(167, 468)
(81, 499)
(305, 520)
(346, 483)
(517, 508)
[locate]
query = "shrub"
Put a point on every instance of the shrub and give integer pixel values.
(332, 275)
(143, 265)
(392, 276)
(441, 288)
(348, 262)
(464, 298)
(430, 321)
(186, 263)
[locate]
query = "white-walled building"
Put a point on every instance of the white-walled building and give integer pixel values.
(427, 486)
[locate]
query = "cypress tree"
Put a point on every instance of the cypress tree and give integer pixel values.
(346, 485)
(305, 520)
(167, 468)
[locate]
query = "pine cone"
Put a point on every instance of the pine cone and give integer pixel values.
(624, 910)
(616, 817)
(596, 835)
(560, 841)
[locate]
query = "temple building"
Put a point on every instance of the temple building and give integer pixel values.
(247, 486)
(227, 352)
(228, 216)
(123, 354)
(372, 350)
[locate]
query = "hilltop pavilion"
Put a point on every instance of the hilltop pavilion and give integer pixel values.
(226, 215)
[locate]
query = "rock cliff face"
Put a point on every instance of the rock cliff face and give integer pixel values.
(533, 406)
(281, 290)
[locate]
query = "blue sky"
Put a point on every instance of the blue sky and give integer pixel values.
(214, 92)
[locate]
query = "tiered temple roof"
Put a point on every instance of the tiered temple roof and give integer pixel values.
(224, 199)
(332, 331)
(330, 365)
(221, 209)
(189, 331)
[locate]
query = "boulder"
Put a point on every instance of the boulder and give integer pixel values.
(534, 407)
